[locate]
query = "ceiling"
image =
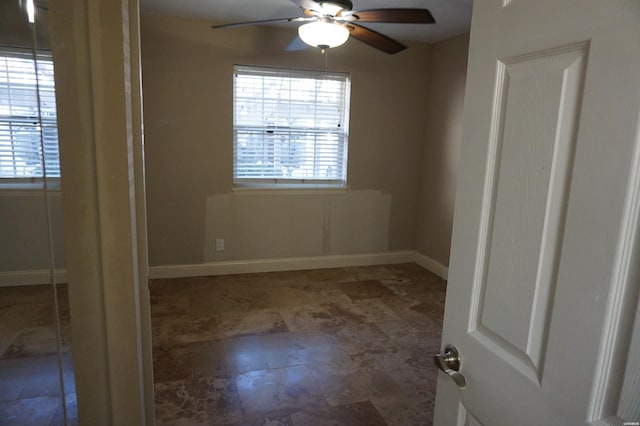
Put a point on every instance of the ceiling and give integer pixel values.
(453, 17)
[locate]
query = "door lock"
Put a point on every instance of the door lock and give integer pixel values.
(450, 362)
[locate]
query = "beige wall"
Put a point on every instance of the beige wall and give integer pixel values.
(401, 183)
(187, 84)
(24, 234)
(442, 148)
(15, 30)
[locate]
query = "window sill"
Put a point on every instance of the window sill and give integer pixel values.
(29, 188)
(288, 189)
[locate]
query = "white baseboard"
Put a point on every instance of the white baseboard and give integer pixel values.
(283, 264)
(431, 265)
(33, 277)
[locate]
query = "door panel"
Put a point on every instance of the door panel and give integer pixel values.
(616, 388)
(544, 209)
(531, 157)
(628, 406)
(465, 418)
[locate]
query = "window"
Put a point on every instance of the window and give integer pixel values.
(290, 127)
(22, 120)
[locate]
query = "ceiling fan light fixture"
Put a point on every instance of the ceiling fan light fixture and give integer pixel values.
(323, 34)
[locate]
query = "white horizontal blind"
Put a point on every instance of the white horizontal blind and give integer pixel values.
(20, 148)
(290, 126)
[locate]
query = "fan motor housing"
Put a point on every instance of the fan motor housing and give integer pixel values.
(343, 4)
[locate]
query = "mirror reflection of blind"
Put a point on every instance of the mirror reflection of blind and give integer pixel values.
(290, 126)
(20, 147)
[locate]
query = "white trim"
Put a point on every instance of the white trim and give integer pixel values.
(282, 264)
(41, 276)
(282, 189)
(431, 265)
(32, 277)
(30, 189)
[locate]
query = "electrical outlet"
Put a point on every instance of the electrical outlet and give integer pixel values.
(219, 244)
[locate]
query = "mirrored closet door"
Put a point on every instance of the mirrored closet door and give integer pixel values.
(36, 363)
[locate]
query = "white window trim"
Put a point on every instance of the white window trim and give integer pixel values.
(29, 184)
(289, 185)
(289, 190)
(32, 183)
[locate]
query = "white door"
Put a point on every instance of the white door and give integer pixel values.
(543, 283)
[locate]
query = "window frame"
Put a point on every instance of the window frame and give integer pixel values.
(35, 181)
(341, 132)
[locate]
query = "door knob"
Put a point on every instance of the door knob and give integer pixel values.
(450, 362)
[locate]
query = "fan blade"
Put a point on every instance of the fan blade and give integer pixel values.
(374, 39)
(392, 16)
(296, 45)
(263, 21)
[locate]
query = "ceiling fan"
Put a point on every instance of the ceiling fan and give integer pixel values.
(330, 23)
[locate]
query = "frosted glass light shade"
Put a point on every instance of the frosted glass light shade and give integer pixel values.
(323, 34)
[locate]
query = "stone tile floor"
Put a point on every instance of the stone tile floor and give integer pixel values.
(345, 346)
(30, 391)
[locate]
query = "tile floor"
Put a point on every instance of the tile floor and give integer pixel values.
(345, 346)
(30, 392)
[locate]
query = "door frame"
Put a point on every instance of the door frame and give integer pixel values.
(96, 48)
